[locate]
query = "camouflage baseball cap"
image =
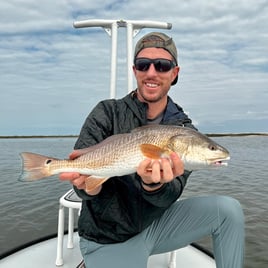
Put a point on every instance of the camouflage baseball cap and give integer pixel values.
(158, 40)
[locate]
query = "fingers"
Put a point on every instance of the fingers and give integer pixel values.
(177, 164)
(162, 170)
(76, 153)
(144, 167)
(80, 182)
(74, 178)
(156, 172)
(68, 176)
(166, 171)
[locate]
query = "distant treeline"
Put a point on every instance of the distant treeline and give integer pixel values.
(236, 134)
(75, 136)
(37, 136)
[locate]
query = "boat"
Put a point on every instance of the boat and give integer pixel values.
(62, 249)
(42, 254)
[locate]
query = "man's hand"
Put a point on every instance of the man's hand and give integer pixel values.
(78, 181)
(160, 171)
(76, 178)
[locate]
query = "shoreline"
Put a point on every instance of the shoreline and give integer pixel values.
(75, 136)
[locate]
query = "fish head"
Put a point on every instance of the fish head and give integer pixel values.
(198, 151)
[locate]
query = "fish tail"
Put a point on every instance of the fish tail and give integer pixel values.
(35, 166)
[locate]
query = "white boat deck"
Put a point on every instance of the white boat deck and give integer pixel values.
(43, 255)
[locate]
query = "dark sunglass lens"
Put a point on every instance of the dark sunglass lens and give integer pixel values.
(142, 64)
(163, 65)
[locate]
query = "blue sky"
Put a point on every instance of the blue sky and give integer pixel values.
(52, 74)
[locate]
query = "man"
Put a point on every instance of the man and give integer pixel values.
(129, 218)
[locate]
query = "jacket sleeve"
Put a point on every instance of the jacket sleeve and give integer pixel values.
(168, 193)
(96, 128)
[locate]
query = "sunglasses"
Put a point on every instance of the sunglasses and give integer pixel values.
(160, 65)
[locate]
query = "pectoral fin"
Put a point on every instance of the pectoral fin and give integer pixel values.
(153, 151)
(93, 182)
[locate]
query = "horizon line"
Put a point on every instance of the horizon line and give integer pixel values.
(75, 136)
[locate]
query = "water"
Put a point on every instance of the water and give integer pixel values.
(29, 210)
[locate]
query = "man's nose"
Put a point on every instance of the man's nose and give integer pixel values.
(151, 69)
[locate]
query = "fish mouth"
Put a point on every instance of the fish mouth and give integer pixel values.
(220, 162)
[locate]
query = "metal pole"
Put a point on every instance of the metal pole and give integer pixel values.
(93, 23)
(129, 56)
(110, 26)
(139, 24)
(133, 27)
(113, 60)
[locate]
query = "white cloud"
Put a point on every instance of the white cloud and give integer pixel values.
(53, 74)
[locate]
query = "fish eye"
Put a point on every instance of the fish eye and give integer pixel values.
(48, 161)
(212, 147)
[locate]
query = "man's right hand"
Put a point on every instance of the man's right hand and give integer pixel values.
(76, 178)
(78, 181)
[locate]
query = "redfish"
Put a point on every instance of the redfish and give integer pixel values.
(121, 154)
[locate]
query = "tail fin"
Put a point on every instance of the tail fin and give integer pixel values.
(35, 166)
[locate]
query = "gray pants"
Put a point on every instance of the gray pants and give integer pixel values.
(184, 222)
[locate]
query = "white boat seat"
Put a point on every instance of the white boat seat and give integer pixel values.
(71, 201)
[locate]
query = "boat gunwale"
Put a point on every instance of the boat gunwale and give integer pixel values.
(54, 235)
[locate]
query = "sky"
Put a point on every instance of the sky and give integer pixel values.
(52, 75)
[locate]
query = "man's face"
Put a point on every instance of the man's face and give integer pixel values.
(152, 84)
